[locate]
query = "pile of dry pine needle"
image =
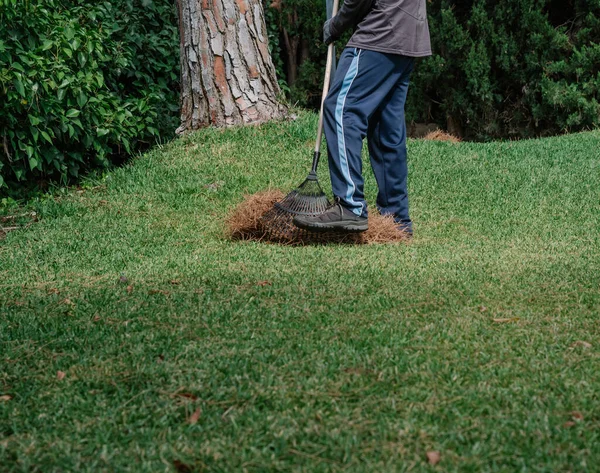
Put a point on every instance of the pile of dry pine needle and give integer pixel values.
(244, 223)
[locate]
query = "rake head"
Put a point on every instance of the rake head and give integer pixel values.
(307, 199)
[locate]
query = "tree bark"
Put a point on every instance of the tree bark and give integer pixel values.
(227, 75)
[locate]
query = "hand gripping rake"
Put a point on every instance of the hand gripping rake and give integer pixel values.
(308, 198)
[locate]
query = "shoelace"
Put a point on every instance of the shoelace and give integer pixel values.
(339, 206)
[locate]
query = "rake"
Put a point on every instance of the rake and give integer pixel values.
(308, 198)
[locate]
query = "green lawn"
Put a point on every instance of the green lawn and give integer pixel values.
(479, 339)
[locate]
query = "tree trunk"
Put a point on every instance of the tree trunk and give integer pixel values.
(291, 50)
(227, 75)
(304, 51)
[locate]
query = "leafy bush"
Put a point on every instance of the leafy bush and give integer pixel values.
(83, 83)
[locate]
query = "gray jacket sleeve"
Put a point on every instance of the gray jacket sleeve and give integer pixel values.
(350, 15)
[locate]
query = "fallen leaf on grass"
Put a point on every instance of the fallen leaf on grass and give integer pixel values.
(191, 396)
(576, 415)
(67, 301)
(569, 424)
(505, 321)
(129, 289)
(158, 291)
(482, 308)
(6, 397)
(263, 283)
(193, 419)
(97, 318)
(434, 457)
(182, 467)
(175, 282)
(60, 375)
(581, 343)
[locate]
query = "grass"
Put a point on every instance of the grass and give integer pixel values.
(183, 351)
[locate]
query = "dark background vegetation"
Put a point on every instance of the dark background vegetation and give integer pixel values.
(84, 83)
(500, 69)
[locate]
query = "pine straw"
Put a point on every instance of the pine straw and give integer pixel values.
(244, 223)
(439, 135)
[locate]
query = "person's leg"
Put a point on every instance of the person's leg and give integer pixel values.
(387, 147)
(362, 82)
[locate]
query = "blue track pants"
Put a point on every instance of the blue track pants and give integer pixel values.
(367, 99)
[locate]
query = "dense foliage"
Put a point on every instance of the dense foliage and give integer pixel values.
(500, 69)
(83, 83)
(512, 68)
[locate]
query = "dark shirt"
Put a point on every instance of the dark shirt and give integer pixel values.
(386, 26)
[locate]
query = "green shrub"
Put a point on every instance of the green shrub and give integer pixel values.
(83, 83)
(515, 68)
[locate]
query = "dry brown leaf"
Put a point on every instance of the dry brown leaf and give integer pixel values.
(577, 415)
(6, 397)
(263, 283)
(569, 424)
(193, 419)
(505, 321)
(581, 343)
(96, 318)
(182, 467)
(129, 289)
(434, 457)
(158, 291)
(191, 396)
(60, 375)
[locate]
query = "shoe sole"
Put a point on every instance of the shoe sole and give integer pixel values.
(342, 227)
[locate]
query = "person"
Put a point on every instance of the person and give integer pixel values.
(367, 99)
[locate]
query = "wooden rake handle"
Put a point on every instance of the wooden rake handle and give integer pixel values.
(325, 87)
